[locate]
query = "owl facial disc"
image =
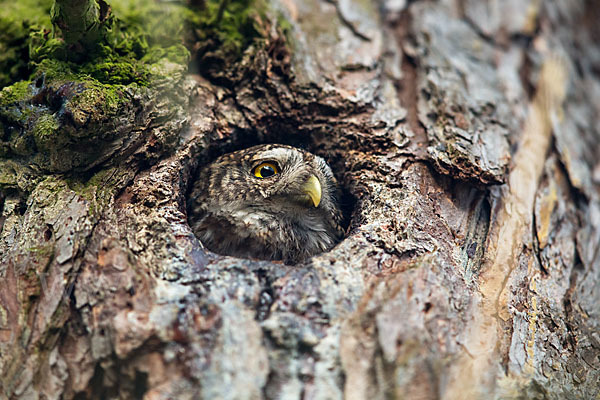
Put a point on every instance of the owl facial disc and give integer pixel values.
(312, 188)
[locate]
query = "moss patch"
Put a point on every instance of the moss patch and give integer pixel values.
(15, 176)
(222, 30)
(142, 33)
(63, 114)
(15, 93)
(18, 19)
(230, 25)
(14, 50)
(45, 131)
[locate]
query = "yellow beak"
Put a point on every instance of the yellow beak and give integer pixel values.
(312, 188)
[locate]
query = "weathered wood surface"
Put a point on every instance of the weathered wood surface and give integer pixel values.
(466, 135)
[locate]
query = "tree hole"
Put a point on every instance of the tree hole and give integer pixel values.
(278, 132)
(427, 307)
(48, 232)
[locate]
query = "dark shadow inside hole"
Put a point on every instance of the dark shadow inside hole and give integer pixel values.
(140, 384)
(48, 232)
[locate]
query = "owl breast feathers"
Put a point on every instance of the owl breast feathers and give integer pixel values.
(272, 202)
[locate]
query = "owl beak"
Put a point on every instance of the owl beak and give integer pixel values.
(312, 188)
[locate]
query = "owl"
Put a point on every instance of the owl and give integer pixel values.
(272, 202)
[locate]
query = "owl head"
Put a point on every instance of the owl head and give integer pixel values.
(272, 202)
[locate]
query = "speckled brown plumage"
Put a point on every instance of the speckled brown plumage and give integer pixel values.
(234, 212)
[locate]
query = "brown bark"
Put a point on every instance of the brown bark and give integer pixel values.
(465, 134)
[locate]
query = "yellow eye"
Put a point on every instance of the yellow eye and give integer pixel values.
(265, 170)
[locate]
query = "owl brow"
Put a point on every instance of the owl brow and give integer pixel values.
(256, 163)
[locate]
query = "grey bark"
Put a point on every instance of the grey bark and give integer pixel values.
(466, 135)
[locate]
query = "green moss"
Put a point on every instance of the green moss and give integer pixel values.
(13, 50)
(55, 71)
(43, 46)
(227, 27)
(143, 34)
(96, 102)
(94, 95)
(35, 11)
(286, 28)
(121, 73)
(17, 20)
(16, 176)
(101, 177)
(21, 146)
(8, 178)
(146, 33)
(45, 132)
(15, 93)
(113, 69)
(140, 34)
(98, 190)
(147, 23)
(42, 252)
(176, 53)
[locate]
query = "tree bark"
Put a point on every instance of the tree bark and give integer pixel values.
(465, 135)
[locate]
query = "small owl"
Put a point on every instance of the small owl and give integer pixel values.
(272, 202)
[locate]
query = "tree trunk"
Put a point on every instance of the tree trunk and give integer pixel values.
(465, 135)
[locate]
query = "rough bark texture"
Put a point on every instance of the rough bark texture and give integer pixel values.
(466, 137)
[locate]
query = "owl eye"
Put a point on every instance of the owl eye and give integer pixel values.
(265, 170)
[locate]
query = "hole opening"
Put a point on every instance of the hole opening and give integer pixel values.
(285, 134)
